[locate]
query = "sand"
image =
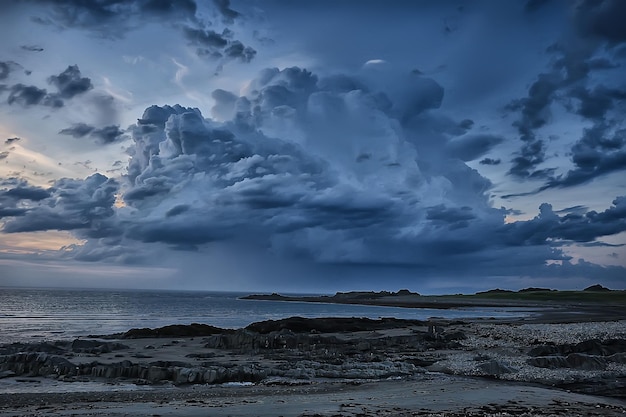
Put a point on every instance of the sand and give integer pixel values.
(430, 394)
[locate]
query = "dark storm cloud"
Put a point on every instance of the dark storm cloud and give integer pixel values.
(77, 130)
(569, 78)
(32, 48)
(104, 135)
(223, 7)
(26, 192)
(350, 169)
(535, 113)
(490, 161)
(70, 83)
(5, 70)
(596, 165)
(9, 141)
(295, 202)
(214, 45)
(600, 151)
(470, 147)
(30, 95)
(79, 205)
(571, 227)
(454, 217)
(15, 201)
(114, 18)
(596, 102)
(168, 8)
(602, 18)
(11, 212)
(237, 50)
(26, 95)
(529, 156)
(532, 6)
(204, 38)
(108, 134)
(578, 209)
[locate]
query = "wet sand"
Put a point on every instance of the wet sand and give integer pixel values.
(428, 395)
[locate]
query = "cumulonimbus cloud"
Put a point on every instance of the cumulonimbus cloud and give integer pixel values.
(334, 170)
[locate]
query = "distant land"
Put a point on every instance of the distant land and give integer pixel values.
(587, 301)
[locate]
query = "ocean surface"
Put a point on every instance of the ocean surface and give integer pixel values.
(31, 315)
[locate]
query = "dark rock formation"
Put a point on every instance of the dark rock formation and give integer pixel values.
(177, 330)
(495, 368)
(591, 355)
(329, 325)
(573, 360)
(589, 347)
(95, 346)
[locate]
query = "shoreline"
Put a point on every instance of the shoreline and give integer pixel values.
(566, 358)
(330, 367)
(432, 395)
(543, 306)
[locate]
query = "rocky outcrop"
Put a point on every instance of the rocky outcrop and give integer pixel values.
(589, 347)
(95, 346)
(495, 368)
(590, 355)
(297, 348)
(573, 360)
(329, 325)
(177, 330)
(33, 364)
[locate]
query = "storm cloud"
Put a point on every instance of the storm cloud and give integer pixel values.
(30, 95)
(113, 19)
(269, 175)
(104, 135)
(424, 150)
(69, 83)
(571, 77)
(79, 205)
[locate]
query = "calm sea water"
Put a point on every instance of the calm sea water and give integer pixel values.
(29, 315)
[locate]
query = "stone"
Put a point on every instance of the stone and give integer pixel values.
(495, 368)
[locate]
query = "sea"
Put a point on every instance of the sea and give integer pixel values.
(35, 315)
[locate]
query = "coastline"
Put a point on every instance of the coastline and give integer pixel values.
(433, 395)
(546, 306)
(544, 365)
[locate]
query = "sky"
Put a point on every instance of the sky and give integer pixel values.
(313, 146)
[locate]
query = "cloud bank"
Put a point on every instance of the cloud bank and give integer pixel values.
(332, 170)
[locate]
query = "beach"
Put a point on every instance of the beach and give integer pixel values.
(542, 365)
(430, 395)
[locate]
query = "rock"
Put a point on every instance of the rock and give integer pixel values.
(617, 357)
(436, 367)
(586, 362)
(550, 362)
(573, 360)
(176, 330)
(495, 368)
(95, 346)
(157, 374)
(590, 347)
(329, 325)
(545, 350)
